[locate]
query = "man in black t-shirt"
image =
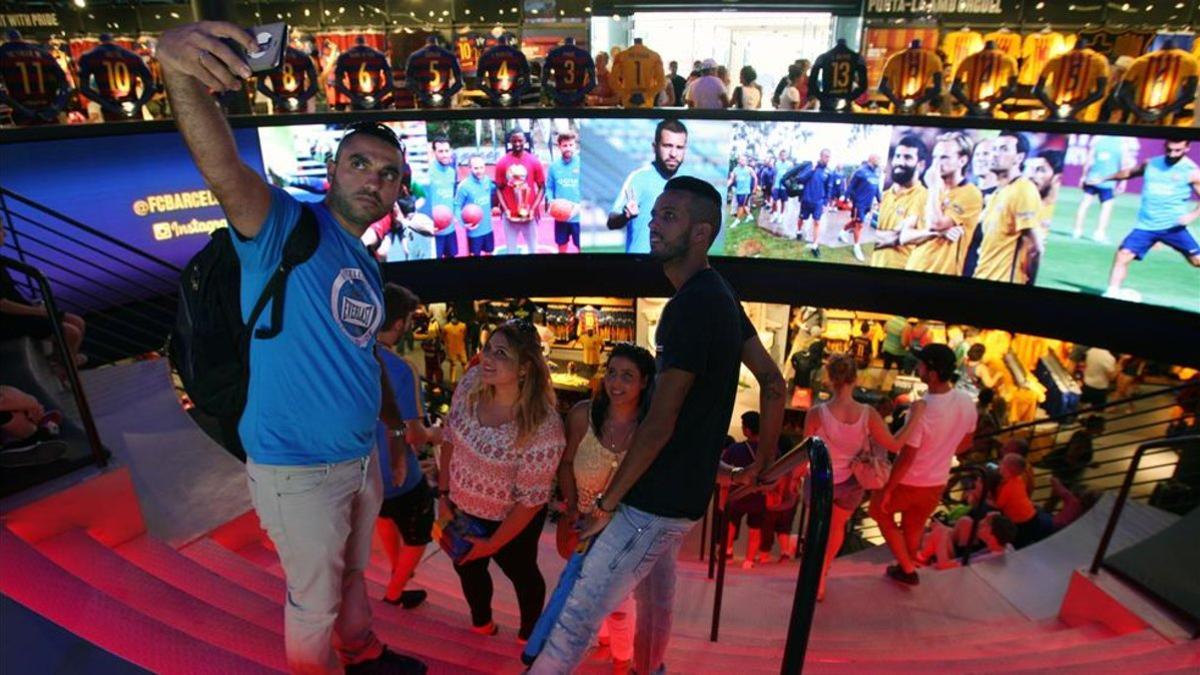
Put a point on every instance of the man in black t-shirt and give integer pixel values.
(664, 485)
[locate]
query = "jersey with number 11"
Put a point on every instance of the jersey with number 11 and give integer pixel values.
(30, 74)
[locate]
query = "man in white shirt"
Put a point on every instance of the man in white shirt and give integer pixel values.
(1100, 367)
(945, 424)
(707, 92)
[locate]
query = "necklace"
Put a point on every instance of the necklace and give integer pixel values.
(612, 429)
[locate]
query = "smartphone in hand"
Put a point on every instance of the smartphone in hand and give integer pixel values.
(272, 39)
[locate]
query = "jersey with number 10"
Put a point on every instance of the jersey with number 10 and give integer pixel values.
(840, 72)
(983, 75)
(637, 75)
(116, 71)
(911, 72)
(31, 76)
(570, 71)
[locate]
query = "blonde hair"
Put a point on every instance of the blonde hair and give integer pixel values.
(841, 370)
(536, 399)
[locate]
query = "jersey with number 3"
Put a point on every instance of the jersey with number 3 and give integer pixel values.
(570, 70)
(31, 76)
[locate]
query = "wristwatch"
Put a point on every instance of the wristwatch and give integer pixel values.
(397, 433)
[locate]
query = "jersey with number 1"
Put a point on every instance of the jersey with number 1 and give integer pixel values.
(571, 71)
(31, 76)
(637, 75)
(838, 73)
(366, 69)
(910, 72)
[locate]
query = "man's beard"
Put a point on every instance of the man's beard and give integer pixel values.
(904, 174)
(670, 250)
(354, 211)
(1172, 161)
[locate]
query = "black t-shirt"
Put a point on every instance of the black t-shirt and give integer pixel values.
(8, 288)
(702, 331)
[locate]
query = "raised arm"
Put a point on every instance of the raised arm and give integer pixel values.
(1126, 174)
(194, 60)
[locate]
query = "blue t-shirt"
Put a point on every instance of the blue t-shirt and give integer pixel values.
(1107, 152)
(314, 388)
(864, 187)
(406, 388)
(743, 180)
(782, 168)
(1166, 194)
(643, 185)
(766, 177)
(442, 180)
(563, 183)
(479, 192)
(821, 186)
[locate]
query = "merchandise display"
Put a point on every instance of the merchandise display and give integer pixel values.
(117, 79)
(912, 79)
(35, 87)
(1158, 85)
(292, 86)
(637, 75)
(569, 73)
(838, 77)
(363, 74)
(433, 75)
(984, 80)
(1072, 84)
(503, 73)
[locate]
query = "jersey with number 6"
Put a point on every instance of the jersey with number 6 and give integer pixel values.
(364, 71)
(31, 76)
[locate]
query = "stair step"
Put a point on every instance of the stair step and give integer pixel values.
(31, 579)
(1182, 658)
(104, 570)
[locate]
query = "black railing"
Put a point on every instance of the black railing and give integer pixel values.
(1164, 444)
(126, 294)
(816, 536)
(64, 355)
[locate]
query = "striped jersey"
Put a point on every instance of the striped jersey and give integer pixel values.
(116, 71)
(31, 75)
(983, 75)
(910, 72)
(364, 71)
(1006, 41)
(1157, 77)
(959, 44)
(1036, 52)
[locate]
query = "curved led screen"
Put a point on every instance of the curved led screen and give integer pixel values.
(1034, 207)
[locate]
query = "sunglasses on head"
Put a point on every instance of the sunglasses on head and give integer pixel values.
(376, 129)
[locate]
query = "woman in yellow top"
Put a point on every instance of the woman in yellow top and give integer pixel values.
(598, 434)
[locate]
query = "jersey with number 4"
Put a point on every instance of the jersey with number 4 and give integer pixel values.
(31, 76)
(116, 71)
(503, 69)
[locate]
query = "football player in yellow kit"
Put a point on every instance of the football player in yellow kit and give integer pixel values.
(1010, 223)
(903, 203)
(939, 243)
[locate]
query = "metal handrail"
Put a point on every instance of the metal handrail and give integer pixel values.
(68, 362)
(1086, 411)
(1123, 495)
(90, 230)
(816, 538)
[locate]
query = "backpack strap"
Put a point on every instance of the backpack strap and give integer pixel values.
(299, 247)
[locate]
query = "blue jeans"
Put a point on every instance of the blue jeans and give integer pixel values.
(636, 552)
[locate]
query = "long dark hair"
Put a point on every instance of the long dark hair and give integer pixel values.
(537, 400)
(643, 360)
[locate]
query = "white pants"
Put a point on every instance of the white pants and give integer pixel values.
(513, 231)
(321, 519)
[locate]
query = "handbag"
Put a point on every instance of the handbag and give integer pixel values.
(453, 537)
(566, 537)
(870, 470)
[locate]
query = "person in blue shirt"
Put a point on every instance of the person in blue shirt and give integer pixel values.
(478, 190)
(779, 195)
(820, 188)
(631, 208)
(1170, 184)
(1106, 156)
(864, 195)
(314, 389)
(406, 517)
(766, 181)
(563, 183)
(744, 184)
(443, 177)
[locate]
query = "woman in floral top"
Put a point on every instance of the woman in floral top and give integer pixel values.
(504, 439)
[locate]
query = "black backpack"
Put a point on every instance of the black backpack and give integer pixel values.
(210, 344)
(794, 180)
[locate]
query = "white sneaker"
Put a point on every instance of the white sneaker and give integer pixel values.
(844, 237)
(1100, 238)
(858, 254)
